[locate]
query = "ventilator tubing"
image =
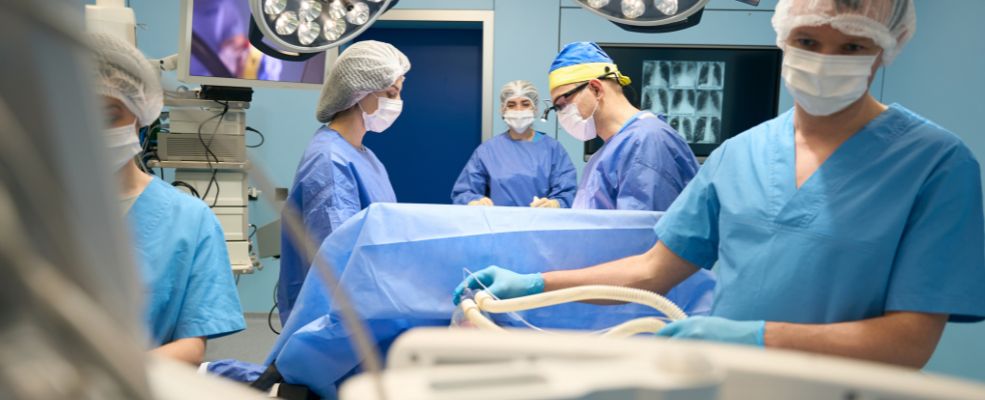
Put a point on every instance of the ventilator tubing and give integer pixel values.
(484, 302)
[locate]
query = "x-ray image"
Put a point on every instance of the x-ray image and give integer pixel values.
(689, 93)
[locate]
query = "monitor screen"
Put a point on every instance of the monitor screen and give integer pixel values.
(218, 46)
(707, 94)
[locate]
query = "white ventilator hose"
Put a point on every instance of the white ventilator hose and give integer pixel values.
(485, 302)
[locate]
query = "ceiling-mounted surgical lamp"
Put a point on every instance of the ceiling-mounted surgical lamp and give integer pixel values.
(300, 29)
(651, 15)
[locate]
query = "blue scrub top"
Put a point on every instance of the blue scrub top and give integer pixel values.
(187, 277)
(645, 166)
(512, 172)
(334, 181)
(892, 221)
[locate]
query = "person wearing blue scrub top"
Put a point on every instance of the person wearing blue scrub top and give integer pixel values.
(644, 164)
(843, 226)
(338, 176)
(520, 167)
(188, 283)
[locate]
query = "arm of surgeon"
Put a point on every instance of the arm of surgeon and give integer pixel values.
(901, 338)
(190, 350)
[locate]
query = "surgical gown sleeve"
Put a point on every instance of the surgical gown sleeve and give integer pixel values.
(210, 307)
(472, 183)
(690, 226)
(940, 262)
(653, 176)
(563, 179)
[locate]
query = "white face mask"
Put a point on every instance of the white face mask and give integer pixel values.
(825, 84)
(519, 120)
(580, 128)
(123, 145)
(387, 111)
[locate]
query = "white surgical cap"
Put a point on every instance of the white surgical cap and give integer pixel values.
(518, 89)
(363, 68)
(125, 74)
(889, 23)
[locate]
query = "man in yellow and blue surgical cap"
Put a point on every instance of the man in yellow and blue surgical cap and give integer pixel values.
(644, 163)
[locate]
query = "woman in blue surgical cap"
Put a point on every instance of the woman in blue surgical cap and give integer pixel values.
(338, 176)
(520, 167)
(844, 226)
(180, 247)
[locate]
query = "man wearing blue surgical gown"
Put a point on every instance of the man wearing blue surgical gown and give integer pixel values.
(644, 164)
(188, 282)
(843, 226)
(520, 167)
(338, 176)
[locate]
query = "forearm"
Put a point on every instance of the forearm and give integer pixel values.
(902, 338)
(657, 270)
(189, 350)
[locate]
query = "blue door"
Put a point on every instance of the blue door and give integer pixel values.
(441, 123)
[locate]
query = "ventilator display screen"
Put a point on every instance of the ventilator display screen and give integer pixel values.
(707, 94)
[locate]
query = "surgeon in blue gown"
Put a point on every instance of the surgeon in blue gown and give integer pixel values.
(181, 250)
(844, 226)
(520, 167)
(644, 163)
(338, 176)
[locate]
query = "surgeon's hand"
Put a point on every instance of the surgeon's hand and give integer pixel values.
(501, 283)
(543, 202)
(485, 201)
(716, 329)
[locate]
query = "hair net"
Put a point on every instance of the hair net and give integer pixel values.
(889, 23)
(126, 75)
(517, 89)
(363, 68)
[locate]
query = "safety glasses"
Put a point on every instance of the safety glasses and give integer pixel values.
(553, 105)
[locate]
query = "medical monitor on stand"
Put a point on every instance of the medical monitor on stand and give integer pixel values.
(707, 93)
(215, 50)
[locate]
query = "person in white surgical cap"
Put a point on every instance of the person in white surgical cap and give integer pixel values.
(180, 247)
(338, 176)
(844, 226)
(520, 167)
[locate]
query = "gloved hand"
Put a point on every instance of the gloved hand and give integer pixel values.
(501, 283)
(716, 329)
(485, 201)
(543, 202)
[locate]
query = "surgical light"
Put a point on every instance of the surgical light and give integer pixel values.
(651, 15)
(298, 29)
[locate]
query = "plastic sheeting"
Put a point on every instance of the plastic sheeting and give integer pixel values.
(401, 262)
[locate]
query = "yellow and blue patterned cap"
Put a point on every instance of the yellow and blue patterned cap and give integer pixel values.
(582, 61)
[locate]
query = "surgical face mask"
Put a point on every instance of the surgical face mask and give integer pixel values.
(825, 84)
(123, 145)
(387, 111)
(519, 120)
(580, 128)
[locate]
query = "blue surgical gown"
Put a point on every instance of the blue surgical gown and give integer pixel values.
(891, 221)
(334, 181)
(512, 172)
(643, 167)
(184, 266)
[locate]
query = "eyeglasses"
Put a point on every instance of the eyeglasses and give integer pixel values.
(554, 107)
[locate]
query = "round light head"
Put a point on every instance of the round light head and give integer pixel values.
(312, 26)
(644, 13)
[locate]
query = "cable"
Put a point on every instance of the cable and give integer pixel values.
(186, 186)
(263, 139)
(209, 153)
(270, 315)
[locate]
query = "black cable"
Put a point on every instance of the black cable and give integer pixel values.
(270, 315)
(253, 232)
(263, 139)
(209, 153)
(186, 186)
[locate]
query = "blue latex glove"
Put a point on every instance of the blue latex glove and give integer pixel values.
(501, 283)
(716, 329)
